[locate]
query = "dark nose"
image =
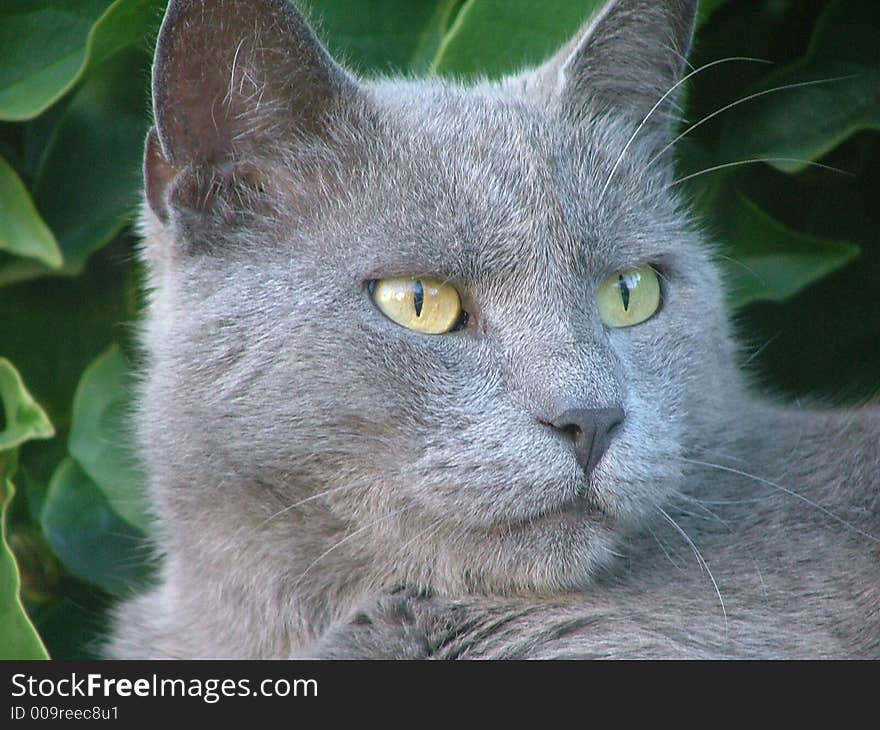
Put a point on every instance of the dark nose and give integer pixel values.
(592, 430)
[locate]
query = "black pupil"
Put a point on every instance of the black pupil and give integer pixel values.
(418, 298)
(624, 292)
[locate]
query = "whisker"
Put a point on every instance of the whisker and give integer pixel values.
(742, 265)
(699, 557)
(727, 502)
(787, 491)
(289, 507)
(660, 101)
(681, 56)
(756, 160)
(426, 535)
(723, 109)
(763, 347)
(610, 551)
(675, 563)
(348, 537)
(710, 515)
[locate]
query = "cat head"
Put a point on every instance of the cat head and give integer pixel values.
(298, 222)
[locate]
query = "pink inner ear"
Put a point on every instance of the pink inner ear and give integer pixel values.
(232, 77)
(158, 176)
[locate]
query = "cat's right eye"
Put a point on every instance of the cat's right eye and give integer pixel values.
(629, 297)
(422, 304)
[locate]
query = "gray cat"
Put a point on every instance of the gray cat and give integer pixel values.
(446, 372)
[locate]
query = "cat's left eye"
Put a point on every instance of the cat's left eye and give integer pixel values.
(422, 304)
(629, 297)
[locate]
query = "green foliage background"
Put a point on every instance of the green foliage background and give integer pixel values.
(799, 235)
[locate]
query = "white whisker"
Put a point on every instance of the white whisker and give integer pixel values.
(723, 109)
(763, 347)
(699, 557)
(756, 160)
(659, 103)
(709, 514)
(424, 536)
(785, 490)
(653, 534)
(289, 507)
(348, 537)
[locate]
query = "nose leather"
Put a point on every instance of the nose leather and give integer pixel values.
(591, 429)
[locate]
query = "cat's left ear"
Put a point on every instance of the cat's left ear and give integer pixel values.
(628, 60)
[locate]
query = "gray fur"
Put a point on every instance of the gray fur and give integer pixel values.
(308, 456)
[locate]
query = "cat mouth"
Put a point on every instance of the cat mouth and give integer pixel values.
(580, 509)
(584, 506)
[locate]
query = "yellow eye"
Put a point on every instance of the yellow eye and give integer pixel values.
(423, 305)
(629, 297)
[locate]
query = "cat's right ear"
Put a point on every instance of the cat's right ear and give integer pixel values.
(628, 60)
(231, 79)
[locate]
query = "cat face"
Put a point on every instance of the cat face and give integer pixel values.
(450, 458)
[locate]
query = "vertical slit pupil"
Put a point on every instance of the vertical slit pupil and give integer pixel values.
(624, 291)
(418, 297)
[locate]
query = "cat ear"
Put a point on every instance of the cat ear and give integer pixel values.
(230, 79)
(627, 59)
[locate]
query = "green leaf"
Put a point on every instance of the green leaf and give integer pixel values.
(22, 231)
(496, 37)
(381, 35)
(89, 181)
(23, 418)
(707, 8)
(49, 45)
(18, 638)
(52, 332)
(823, 342)
(88, 537)
(431, 36)
(39, 571)
(835, 93)
(769, 261)
(75, 626)
(100, 436)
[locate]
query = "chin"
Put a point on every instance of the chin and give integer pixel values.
(564, 541)
(565, 550)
